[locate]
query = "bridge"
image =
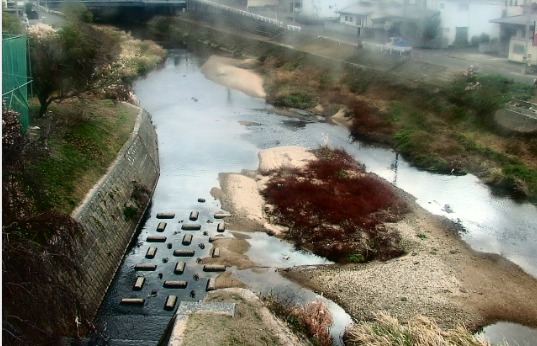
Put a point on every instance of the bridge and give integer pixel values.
(99, 4)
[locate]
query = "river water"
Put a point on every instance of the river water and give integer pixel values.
(205, 129)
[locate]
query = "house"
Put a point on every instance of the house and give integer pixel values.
(518, 38)
(380, 20)
(313, 10)
(461, 20)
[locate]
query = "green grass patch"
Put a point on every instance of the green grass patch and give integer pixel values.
(81, 148)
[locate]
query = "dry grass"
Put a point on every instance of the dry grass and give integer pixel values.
(312, 319)
(386, 330)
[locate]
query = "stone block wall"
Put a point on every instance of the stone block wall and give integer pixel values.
(107, 229)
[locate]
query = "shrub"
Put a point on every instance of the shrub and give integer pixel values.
(335, 209)
(368, 123)
(130, 212)
(311, 319)
(299, 100)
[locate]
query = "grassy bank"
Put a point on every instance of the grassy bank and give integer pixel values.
(45, 174)
(437, 125)
(79, 138)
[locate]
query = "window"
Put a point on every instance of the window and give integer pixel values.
(518, 48)
(446, 30)
(442, 6)
(463, 7)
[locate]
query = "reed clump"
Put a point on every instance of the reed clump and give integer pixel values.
(386, 330)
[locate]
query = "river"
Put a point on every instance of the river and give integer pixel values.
(205, 129)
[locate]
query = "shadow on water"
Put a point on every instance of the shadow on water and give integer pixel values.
(205, 129)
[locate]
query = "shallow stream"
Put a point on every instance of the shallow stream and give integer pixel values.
(205, 129)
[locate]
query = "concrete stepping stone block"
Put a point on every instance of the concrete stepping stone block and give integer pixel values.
(179, 268)
(161, 226)
(194, 216)
(187, 239)
(165, 215)
(183, 253)
(156, 238)
(175, 284)
(191, 226)
(145, 266)
(170, 302)
(139, 284)
(151, 252)
(133, 301)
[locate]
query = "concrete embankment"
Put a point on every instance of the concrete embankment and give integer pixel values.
(108, 228)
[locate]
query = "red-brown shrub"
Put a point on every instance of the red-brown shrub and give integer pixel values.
(336, 209)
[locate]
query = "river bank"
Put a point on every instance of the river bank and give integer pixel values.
(435, 123)
(440, 277)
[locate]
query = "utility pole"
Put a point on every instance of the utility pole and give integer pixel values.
(527, 36)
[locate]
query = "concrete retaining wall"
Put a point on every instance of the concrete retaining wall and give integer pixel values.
(108, 231)
(512, 120)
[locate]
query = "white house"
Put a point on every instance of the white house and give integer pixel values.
(519, 37)
(379, 20)
(314, 10)
(463, 19)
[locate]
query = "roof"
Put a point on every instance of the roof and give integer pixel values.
(393, 10)
(522, 19)
(361, 10)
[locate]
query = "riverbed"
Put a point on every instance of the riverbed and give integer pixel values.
(205, 129)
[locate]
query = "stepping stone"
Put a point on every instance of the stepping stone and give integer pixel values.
(151, 252)
(211, 284)
(161, 226)
(214, 268)
(187, 239)
(145, 266)
(170, 302)
(165, 215)
(179, 268)
(194, 216)
(183, 253)
(216, 252)
(221, 215)
(133, 301)
(156, 238)
(221, 227)
(175, 284)
(139, 283)
(191, 226)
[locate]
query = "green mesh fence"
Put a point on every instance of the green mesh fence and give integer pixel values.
(15, 78)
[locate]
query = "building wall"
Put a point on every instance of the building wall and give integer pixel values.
(472, 14)
(323, 9)
(517, 51)
(107, 232)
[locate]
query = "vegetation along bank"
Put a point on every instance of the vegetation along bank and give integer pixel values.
(77, 127)
(437, 123)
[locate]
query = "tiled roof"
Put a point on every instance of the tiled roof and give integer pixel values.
(522, 19)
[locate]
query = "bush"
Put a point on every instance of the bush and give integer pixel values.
(295, 100)
(335, 209)
(311, 319)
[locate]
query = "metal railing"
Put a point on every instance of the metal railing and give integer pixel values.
(251, 15)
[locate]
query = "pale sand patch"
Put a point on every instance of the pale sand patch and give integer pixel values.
(340, 118)
(225, 71)
(283, 157)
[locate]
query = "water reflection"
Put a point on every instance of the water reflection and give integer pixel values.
(201, 133)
